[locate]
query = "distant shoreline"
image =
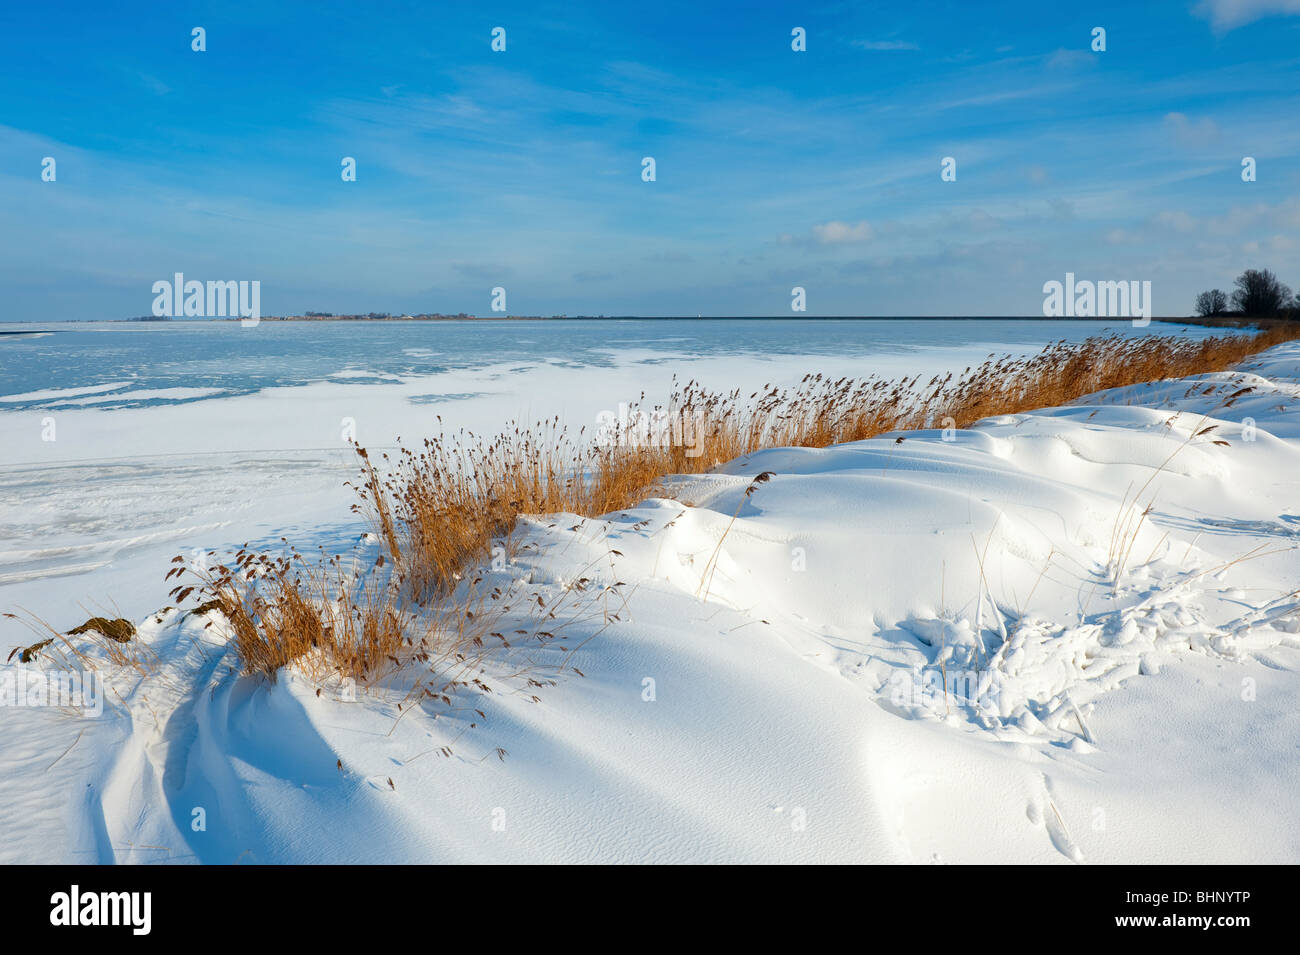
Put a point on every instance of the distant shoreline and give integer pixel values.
(1224, 321)
(1220, 321)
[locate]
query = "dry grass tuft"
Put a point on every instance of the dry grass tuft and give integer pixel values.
(104, 640)
(354, 626)
(119, 629)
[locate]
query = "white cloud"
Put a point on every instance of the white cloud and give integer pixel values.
(1229, 14)
(1236, 220)
(1288, 213)
(1063, 59)
(839, 233)
(1190, 133)
(1178, 221)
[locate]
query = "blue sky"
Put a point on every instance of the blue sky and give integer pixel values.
(522, 169)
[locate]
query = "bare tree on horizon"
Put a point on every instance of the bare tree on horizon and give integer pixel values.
(1259, 293)
(1211, 303)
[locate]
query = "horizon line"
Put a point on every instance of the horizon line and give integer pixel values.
(437, 317)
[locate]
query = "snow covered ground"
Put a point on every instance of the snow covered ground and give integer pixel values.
(1120, 687)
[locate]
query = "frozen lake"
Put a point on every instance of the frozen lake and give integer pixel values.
(111, 365)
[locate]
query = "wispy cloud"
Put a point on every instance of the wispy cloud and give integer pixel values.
(885, 45)
(1227, 15)
(153, 83)
(839, 233)
(1063, 59)
(1192, 134)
